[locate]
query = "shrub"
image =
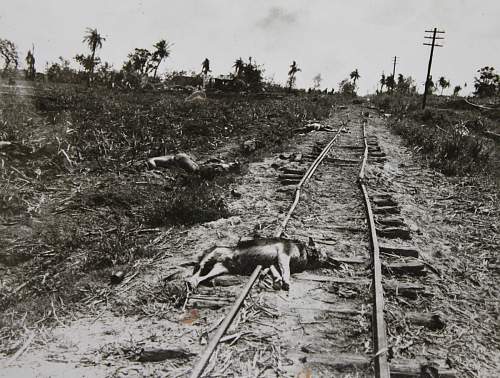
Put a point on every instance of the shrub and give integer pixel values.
(190, 202)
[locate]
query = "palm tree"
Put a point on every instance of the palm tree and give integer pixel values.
(355, 76)
(291, 74)
(382, 82)
(238, 67)
(456, 90)
(205, 67)
(30, 62)
(443, 83)
(390, 83)
(94, 40)
(162, 51)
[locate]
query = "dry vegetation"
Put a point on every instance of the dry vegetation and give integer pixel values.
(77, 200)
(449, 133)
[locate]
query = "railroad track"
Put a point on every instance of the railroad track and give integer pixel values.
(332, 322)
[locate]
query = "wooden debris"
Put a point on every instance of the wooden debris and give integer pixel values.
(433, 320)
(347, 260)
(158, 354)
(227, 280)
(419, 369)
(213, 304)
(317, 278)
(336, 361)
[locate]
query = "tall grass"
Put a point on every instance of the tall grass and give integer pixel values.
(451, 140)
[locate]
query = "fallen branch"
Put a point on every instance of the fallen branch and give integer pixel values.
(21, 350)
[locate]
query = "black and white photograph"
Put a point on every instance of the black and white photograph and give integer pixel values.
(265, 188)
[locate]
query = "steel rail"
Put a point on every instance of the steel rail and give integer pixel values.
(310, 171)
(205, 358)
(378, 323)
(202, 363)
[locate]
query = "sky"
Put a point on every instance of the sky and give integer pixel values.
(327, 37)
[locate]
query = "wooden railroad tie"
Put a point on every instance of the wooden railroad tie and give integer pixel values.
(412, 267)
(293, 171)
(383, 201)
(399, 251)
(391, 222)
(394, 233)
(386, 210)
(398, 368)
(406, 289)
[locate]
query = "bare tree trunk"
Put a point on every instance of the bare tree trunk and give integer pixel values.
(91, 72)
(156, 69)
(7, 62)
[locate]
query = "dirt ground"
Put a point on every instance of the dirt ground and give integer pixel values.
(454, 222)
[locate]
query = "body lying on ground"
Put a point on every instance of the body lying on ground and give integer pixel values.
(290, 256)
(208, 169)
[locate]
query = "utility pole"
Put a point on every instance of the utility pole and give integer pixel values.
(434, 37)
(394, 67)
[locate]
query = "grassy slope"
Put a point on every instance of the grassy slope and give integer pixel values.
(76, 198)
(448, 133)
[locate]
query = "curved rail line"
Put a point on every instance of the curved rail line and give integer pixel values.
(202, 363)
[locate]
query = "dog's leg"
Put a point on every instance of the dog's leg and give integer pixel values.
(217, 270)
(277, 280)
(194, 280)
(284, 265)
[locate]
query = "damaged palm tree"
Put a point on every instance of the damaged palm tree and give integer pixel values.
(94, 40)
(209, 169)
(205, 67)
(30, 63)
(291, 75)
(238, 67)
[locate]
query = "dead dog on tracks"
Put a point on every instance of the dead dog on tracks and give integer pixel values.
(291, 256)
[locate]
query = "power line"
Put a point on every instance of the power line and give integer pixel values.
(433, 44)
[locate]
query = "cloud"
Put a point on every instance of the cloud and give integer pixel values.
(277, 17)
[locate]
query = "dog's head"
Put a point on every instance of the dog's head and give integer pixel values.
(315, 256)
